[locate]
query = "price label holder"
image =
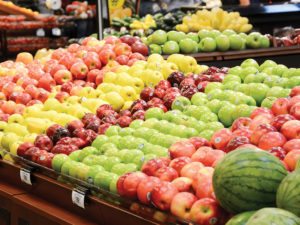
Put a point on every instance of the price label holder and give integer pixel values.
(56, 32)
(79, 196)
(40, 32)
(26, 174)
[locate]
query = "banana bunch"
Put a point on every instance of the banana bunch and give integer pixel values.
(144, 24)
(215, 19)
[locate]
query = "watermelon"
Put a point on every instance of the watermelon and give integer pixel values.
(240, 219)
(247, 179)
(273, 216)
(288, 193)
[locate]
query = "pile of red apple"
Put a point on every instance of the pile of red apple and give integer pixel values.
(177, 84)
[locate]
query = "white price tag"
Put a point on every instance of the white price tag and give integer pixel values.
(78, 198)
(56, 31)
(25, 176)
(40, 32)
(53, 4)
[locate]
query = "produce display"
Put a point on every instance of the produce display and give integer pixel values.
(173, 42)
(214, 19)
(81, 9)
(11, 8)
(200, 143)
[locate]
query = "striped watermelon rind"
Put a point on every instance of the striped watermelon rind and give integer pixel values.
(240, 219)
(247, 179)
(270, 216)
(288, 194)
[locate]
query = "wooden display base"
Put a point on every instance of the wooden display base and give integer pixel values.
(50, 200)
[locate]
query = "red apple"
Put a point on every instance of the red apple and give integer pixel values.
(43, 142)
(206, 211)
(124, 121)
(199, 142)
(62, 96)
(181, 148)
(295, 111)
(279, 152)
(120, 184)
(236, 142)
(246, 132)
(103, 127)
(295, 91)
(280, 106)
(291, 129)
(291, 145)
(128, 39)
(260, 131)
(292, 158)
(202, 183)
(23, 98)
(92, 61)
(179, 163)
(293, 101)
(151, 166)
(261, 119)
(221, 138)
(240, 123)
(166, 174)
(191, 170)
(183, 184)
(131, 183)
(136, 56)
(279, 120)
(207, 156)
(106, 56)
(79, 71)
(271, 139)
(92, 74)
(67, 87)
(62, 76)
(73, 125)
(56, 68)
(145, 187)
(162, 195)
(260, 111)
(112, 40)
(101, 110)
(140, 48)
(23, 148)
(182, 204)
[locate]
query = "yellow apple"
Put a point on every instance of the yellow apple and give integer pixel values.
(9, 138)
(187, 64)
(176, 59)
(63, 119)
(124, 79)
(30, 138)
(87, 92)
(123, 68)
(13, 147)
(2, 125)
(115, 99)
(152, 77)
(16, 118)
(168, 68)
(106, 87)
(138, 84)
(128, 93)
(200, 69)
(37, 125)
(8, 158)
(155, 58)
(127, 105)
(157, 66)
(73, 99)
(16, 128)
(110, 77)
(92, 104)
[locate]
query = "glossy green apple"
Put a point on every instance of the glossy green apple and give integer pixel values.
(99, 141)
(231, 77)
(231, 85)
(113, 185)
(243, 88)
(279, 69)
(214, 105)
(58, 160)
(207, 134)
(189, 132)
(248, 70)
(75, 168)
(264, 41)
(87, 151)
(127, 158)
(203, 33)
(122, 168)
(215, 94)
(228, 32)
(293, 82)
(103, 179)
(155, 49)
(258, 92)
(209, 117)
(110, 162)
(89, 160)
(253, 40)
(268, 102)
(92, 172)
(278, 92)
(107, 146)
(225, 115)
(207, 44)
(255, 78)
(160, 151)
(150, 122)
(159, 37)
(235, 70)
(193, 36)
(179, 103)
(154, 113)
(112, 130)
(241, 110)
(126, 131)
(236, 42)
(170, 47)
(271, 80)
(267, 63)
(214, 126)
(75, 155)
(100, 160)
(284, 82)
(176, 36)
(111, 152)
(196, 124)
(196, 111)
(136, 124)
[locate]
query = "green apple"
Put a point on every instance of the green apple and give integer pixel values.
(75, 168)
(150, 122)
(228, 32)
(159, 37)
(180, 103)
(225, 115)
(100, 160)
(279, 69)
(278, 92)
(122, 168)
(126, 131)
(212, 86)
(130, 155)
(176, 36)
(65, 168)
(255, 78)
(214, 126)
(271, 80)
(87, 151)
(250, 63)
(188, 46)
(112, 140)
(258, 92)
(266, 64)
(236, 42)
(75, 155)
(241, 110)
(243, 35)
(223, 43)
(268, 102)
(207, 44)
(215, 33)
(264, 41)
(248, 70)
(171, 115)
(193, 36)
(89, 160)
(103, 179)
(160, 151)
(252, 40)
(111, 152)
(196, 111)
(136, 124)
(141, 132)
(198, 101)
(99, 141)
(209, 117)
(293, 82)
(203, 33)
(113, 185)
(127, 142)
(107, 146)
(243, 88)
(283, 82)
(154, 113)
(231, 85)
(155, 49)
(207, 134)
(112, 130)
(235, 70)
(110, 162)
(249, 101)
(58, 160)
(170, 47)
(92, 172)
(214, 105)
(214, 94)
(196, 124)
